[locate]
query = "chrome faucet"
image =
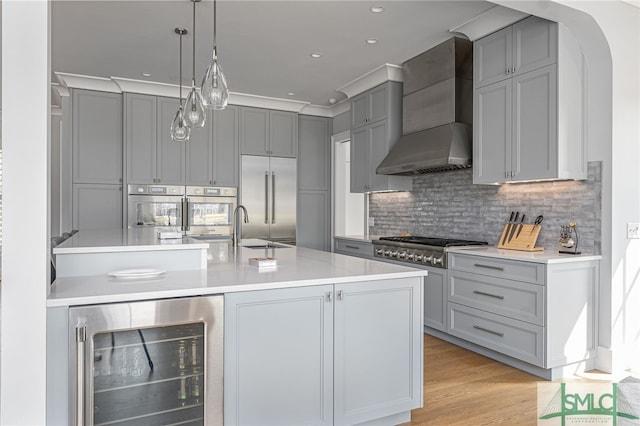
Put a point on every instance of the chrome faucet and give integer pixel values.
(245, 219)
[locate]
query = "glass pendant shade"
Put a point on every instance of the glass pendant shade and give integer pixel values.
(195, 114)
(179, 130)
(215, 93)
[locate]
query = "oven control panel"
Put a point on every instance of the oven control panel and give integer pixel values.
(418, 256)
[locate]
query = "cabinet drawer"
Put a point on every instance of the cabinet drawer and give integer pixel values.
(501, 268)
(511, 337)
(354, 248)
(514, 299)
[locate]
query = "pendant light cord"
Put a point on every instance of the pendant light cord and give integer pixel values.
(193, 75)
(215, 47)
(180, 82)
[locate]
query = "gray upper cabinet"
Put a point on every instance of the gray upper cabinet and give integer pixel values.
(212, 151)
(371, 142)
(527, 45)
(370, 106)
(268, 132)
(314, 153)
(97, 137)
(528, 125)
(151, 155)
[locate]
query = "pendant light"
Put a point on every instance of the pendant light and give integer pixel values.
(215, 93)
(179, 130)
(195, 114)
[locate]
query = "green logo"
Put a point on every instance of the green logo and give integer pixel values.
(590, 403)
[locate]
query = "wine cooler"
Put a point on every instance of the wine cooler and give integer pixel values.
(147, 363)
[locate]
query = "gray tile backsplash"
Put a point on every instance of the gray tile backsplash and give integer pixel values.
(449, 205)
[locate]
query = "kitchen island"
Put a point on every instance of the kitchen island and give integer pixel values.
(320, 338)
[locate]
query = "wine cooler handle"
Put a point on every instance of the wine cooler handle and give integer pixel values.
(186, 222)
(81, 338)
(266, 197)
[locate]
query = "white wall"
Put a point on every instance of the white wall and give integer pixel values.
(25, 126)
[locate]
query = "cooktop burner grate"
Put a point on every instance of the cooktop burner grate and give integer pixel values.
(434, 242)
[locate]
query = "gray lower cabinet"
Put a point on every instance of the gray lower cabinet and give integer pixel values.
(151, 155)
(323, 355)
(352, 247)
(212, 155)
(97, 206)
(96, 137)
(542, 314)
(435, 299)
(268, 132)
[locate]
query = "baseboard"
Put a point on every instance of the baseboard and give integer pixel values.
(619, 359)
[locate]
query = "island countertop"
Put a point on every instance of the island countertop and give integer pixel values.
(228, 270)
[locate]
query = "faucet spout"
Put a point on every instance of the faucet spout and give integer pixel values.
(245, 218)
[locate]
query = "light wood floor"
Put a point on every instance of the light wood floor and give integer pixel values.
(464, 388)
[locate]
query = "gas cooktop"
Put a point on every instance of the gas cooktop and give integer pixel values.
(427, 251)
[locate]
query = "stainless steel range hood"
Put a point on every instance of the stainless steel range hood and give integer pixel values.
(437, 112)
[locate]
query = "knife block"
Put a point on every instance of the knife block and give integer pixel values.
(526, 241)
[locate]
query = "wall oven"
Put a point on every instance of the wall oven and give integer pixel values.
(147, 363)
(193, 210)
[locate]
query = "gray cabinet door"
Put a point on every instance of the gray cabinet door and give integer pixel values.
(360, 160)
(97, 137)
(283, 134)
(379, 103)
(535, 44)
(97, 206)
(378, 349)
(199, 151)
(492, 133)
(278, 356)
(140, 137)
(435, 299)
(359, 110)
(378, 150)
(314, 153)
(170, 154)
(535, 153)
(226, 156)
(254, 131)
(492, 57)
(313, 229)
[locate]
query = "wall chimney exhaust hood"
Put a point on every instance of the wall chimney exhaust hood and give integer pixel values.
(437, 112)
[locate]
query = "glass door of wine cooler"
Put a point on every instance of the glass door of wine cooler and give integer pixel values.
(148, 363)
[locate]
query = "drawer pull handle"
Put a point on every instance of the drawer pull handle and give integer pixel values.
(486, 330)
(488, 294)
(352, 247)
(497, 268)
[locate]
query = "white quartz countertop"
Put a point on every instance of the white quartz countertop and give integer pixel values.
(365, 238)
(228, 270)
(545, 256)
(122, 240)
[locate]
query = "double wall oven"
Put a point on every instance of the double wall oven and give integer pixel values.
(193, 210)
(424, 253)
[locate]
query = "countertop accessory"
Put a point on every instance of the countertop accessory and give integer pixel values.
(179, 130)
(196, 115)
(567, 239)
(520, 236)
(262, 262)
(215, 93)
(136, 273)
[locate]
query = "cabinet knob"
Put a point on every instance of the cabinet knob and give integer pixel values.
(513, 69)
(508, 70)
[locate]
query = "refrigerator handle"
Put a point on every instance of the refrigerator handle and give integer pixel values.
(273, 197)
(266, 197)
(185, 214)
(81, 338)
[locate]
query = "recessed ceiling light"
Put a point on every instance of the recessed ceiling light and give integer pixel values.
(332, 101)
(372, 40)
(146, 74)
(316, 55)
(376, 9)
(291, 94)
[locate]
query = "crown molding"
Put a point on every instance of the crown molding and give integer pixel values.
(340, 108)
(257, 101)
(386, 72)
(488, 22)
(144, 87)
(77, 81)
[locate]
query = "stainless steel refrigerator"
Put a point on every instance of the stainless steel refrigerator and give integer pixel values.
(268, 191)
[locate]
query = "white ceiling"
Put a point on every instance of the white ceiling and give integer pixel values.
(264, 46)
